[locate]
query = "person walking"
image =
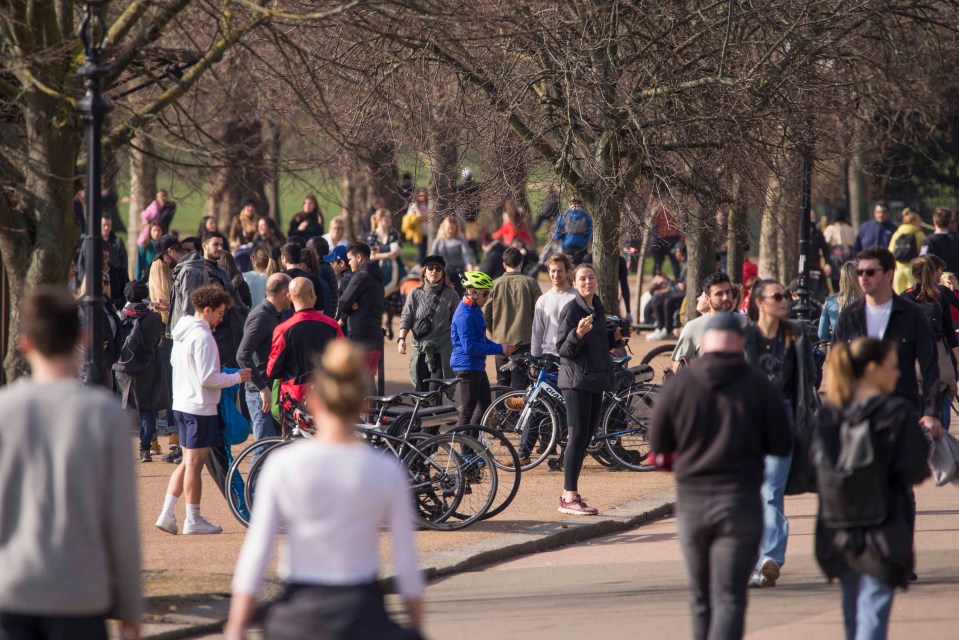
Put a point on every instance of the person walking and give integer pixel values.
(550, 304)
(849, 291)
(387, 249)
(585, 372)
(298, 341)
(868, 452)
(360, 307)
(254, 354)
(714, 424)
(138, 370)
(904, 244)
(455, 250)
(197, 381)
(471, 346)
(782, 352)
(426, 320)
(509, 315)
(331, 564)
(876, 232)
(160, 286)
(70, 547)
(943, 243)
(718, 293)
(574, 230)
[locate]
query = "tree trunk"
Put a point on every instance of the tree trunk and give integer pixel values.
(857, 188)
(607, 216)
(737, 237)
(240, 175)
(384, 179)
(38, 240)
(355, 198)
(700, 258)
(789, 244)
(769, 233)
(143, 188)
(271, 156)
(441, 160)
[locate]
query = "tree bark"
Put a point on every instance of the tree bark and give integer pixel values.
(441, 159)
(857, 188)
(737, 237)
(241, 172)
(789, 245)
(272, 149)
(143, 188)
(769, 233)
(700, 258)
(607, 216)
(355, 198)
(384, 179)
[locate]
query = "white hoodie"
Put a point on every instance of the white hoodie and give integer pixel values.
(197, 378)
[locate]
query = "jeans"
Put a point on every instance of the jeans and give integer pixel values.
(517, 378)
(719, 532)
(263, 423)
(148, 428)
(775, 524)
(946, 410)
(582, 416)
(866, 605)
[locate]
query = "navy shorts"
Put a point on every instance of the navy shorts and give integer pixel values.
(197, 432)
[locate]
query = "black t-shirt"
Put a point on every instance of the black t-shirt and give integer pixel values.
(777, 360)
(946, 246)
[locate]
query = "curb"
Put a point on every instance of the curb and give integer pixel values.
(438, 564)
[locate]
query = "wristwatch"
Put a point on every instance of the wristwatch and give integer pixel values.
(403, 338)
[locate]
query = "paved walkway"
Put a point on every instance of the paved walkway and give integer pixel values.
(633, 584)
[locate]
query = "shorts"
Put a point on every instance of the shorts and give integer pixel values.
(197, 432)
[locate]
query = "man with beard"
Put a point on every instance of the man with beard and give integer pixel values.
(719, 292)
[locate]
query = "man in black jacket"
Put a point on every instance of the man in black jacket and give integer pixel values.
(291, 257)
(360, 307)
(254, 353)
(714, 422)
(943, 243)
(885, 316)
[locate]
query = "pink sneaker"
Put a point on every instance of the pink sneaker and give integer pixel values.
(576, 507)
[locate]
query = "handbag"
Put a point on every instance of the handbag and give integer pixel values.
(424, 325)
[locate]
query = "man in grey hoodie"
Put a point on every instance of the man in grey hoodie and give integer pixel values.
(197, 381)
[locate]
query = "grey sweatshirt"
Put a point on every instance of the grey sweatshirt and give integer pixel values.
(69, 537)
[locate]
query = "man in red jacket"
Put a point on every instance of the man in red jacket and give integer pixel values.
(298, 341)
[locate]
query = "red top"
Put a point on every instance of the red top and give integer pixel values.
(509, 232)
(296, 343)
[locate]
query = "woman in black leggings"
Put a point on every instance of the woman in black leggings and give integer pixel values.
(585, 371)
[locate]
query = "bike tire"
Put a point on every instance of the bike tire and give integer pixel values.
(542, 424)
(661, 360)
(476, 478)
(236, 478)
(435, 487)
(509, 475)
(630, 448)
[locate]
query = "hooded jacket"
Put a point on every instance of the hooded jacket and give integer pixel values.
(365, 289)
(585, 364)
(188, 274)
(720, 417)
(197, 378)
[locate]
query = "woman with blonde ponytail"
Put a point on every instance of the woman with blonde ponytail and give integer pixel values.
(331, 495)
(868, 450)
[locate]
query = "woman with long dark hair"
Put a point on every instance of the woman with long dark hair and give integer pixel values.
(330, 496)
(387, 248)
(208, 224)
(868, 451)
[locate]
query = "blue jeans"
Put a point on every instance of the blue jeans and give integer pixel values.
(866, 605)
(775, 524)
(148, 428)
(263, 423)
(946, 410)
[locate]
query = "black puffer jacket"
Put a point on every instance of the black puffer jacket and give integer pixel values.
(584, 363)
(365, 289)
(900, 450)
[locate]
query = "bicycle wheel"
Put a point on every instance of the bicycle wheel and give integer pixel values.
(661, 360)
(435, 482)
(624, 427)
(236, 478)
(506, 460)
(537, 425)
(474, 475)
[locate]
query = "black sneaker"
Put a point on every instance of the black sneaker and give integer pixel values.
(175, 455)
(145, 456)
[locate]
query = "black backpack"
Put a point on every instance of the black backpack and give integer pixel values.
(134, 353)
(905, 249)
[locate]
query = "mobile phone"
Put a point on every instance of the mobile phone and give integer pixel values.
(148, 302)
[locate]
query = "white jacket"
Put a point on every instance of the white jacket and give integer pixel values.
(197, 378)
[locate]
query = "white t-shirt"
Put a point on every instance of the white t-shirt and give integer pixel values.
(877, 319)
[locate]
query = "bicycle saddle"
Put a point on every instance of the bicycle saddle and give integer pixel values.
(621, 360)
(423, 395)
(393, 399)
(442, 383)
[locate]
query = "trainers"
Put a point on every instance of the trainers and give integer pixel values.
(167, 524)
(523, 461)
(201, 527)
(576, 507)
(145, 456)
(766, 575)
(175, 455)
(658, 334)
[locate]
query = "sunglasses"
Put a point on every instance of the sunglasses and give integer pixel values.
(433, 267)
(483, 292)
(867, 272)
(778, 297)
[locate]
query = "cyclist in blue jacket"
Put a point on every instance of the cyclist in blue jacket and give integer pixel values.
(471, 346)
(574, 230)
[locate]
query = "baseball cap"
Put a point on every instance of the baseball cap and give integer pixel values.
(338, 254)
(164, 243)
(725, 321)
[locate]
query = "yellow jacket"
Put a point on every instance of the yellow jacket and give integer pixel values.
(907, 229)
(412, 227)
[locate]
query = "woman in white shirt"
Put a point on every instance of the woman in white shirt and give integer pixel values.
(331, 495)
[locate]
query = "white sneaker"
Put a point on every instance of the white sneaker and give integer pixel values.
(659, 334)
(168, 524)
(200, 527)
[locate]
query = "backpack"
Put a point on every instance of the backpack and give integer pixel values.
(134, 353)
(840, 254)
(905, 249)
(575, 226)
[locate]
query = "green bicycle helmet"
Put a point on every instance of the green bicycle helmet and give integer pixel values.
(476, 280)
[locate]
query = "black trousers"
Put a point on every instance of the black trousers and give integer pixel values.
(664, 307)
(475, 396)
(20, 627)
(582, 416)
(517, 378)
(719, 532)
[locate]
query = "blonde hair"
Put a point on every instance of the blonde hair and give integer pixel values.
(846, 365)
(160, 284)
(341, 380)
(910, 217)
(849, 289)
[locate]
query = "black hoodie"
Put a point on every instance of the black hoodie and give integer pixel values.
(720, 417)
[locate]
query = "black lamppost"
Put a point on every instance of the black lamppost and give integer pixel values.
(804, 309)
(93, 108)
